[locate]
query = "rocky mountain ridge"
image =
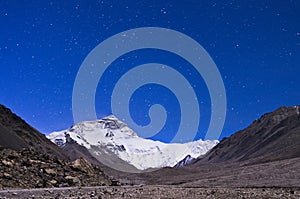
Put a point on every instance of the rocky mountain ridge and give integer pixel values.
(29, 160)
(30, 169)
(274, 136)
(16, 134)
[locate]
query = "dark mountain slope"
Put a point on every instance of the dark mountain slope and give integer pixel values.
(185, 161)
(75, 151)
(266, 154)
(15, 133)
(275, 136)
(29, 160)
(10, 139)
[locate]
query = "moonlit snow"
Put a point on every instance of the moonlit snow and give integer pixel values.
(142, 153)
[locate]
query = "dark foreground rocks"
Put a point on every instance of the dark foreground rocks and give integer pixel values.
(29, 169)
(152, 192)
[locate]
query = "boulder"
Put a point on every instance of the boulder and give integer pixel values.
(82, 165)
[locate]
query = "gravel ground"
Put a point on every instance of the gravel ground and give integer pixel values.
(152, 192)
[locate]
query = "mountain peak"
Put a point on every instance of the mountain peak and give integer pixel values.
(274, 136)
(109, 135)
(110, 117)
(277, 116)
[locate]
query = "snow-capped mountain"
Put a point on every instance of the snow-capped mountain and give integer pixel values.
(186, 161)
(110, 137)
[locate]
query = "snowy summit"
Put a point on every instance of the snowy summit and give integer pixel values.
(111, 138)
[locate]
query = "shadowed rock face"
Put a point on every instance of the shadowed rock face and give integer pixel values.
(275, 136)
(29, 160)
(11, 139)
(16, 134)
(75, 151)
(185, 161)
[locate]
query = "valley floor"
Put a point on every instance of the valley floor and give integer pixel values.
(151, 191)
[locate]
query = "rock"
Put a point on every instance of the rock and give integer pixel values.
(102, 183)
(7, 176)
(53, 182)
(7, 163)
(82, 165)
(35, 161)
(39, 184)
(34, 170)
(13, 155)
(50, 172)
(72, 180)
(92, 194)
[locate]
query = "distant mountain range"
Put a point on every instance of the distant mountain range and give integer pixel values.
(114, 144)
(267, 153)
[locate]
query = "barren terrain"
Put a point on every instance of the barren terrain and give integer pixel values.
(151, 191)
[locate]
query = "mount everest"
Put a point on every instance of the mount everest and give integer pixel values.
(114, 144)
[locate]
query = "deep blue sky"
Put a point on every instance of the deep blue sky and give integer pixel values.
(255, 44)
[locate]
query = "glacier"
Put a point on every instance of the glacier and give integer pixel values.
(118, 139)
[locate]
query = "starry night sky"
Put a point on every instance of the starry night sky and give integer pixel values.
(255, 45)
